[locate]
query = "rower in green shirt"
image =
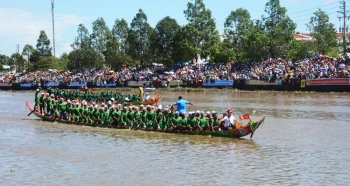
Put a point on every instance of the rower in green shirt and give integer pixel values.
(170, 115)
(62, 107)
(76, 112)
(202, 122)
(159, 120)
(90, 115)
(113, 118)
(175, 122)
(96, 116)
(150, 118)
(84, 113)
(107, 116)
(119, 115)
(192, 121)
(124, 117)
(143, 124)
(184, 122)
(137, 120)
(214, 122)
(48, 104)
(70, 111)
(102, 117)
(130, 117)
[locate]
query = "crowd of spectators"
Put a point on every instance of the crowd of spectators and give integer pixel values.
(269, 70)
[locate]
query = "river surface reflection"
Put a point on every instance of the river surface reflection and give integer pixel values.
(304, 141)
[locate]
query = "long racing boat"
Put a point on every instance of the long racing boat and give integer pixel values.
(244, 130)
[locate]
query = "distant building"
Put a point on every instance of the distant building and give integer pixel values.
(303, 37)
(6, 67)
(307, 37)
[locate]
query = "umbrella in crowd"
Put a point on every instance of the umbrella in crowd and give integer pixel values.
(342, 65)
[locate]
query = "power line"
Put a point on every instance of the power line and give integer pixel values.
(6, 47)
(313, 13)
(343, 15)
(311, 8)
(66, 40)
(309, 18)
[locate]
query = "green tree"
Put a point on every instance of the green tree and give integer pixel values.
(182, 50)
(162, 40)
(201, 30)
(100, 35)
(237, 26)
(28, 50)
(4, 59)
(117, 45)
(63, 61)
(323, 32)
(85, 56)
(43, 50)
(74, 60)
(34, 58)
(138, 37)
(223, 53)
(120, 33)
(17, 62)
(43, 46)
(299, 49)
(279, 28)
(255, 46)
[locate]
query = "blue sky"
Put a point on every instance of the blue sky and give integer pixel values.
(22, 20)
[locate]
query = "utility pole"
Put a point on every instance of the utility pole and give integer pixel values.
(343, 14)
(17, 48)
(53, 27)
(81, 44)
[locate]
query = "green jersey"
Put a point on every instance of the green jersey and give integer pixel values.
(62, 106)
(215, 121)
(184, 121)
(203, 121)
(192, 121)
(176, 120)
(125, 117)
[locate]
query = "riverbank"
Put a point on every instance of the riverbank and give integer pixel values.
(190, 89)
(291, 85)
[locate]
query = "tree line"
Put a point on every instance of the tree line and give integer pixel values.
(137, 43)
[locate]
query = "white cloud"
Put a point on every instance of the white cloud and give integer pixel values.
(21, 27)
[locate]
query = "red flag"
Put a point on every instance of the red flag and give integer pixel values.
(244, 116)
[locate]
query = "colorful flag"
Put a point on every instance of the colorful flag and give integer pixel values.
(244, 116)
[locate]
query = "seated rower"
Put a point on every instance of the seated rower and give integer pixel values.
(202, 123)
(214, 122)
(146, 97)
(175, 122)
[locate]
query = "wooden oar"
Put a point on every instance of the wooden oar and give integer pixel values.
(54, 119)
(31, 112)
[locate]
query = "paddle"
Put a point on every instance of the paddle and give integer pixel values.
(31, 112)
(54, 119)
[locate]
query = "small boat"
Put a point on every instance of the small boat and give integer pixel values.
(245, 130)
(149, 89)
(151, 101)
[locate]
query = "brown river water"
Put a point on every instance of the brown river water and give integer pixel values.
(305, 140)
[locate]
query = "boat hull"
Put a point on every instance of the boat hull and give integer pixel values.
(237, 133)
